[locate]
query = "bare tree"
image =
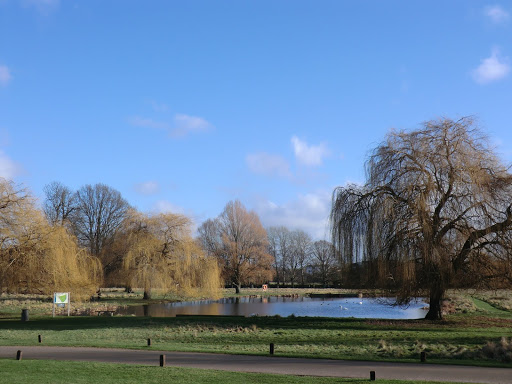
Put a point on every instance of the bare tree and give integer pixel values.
(301, 250)
(59, 204)
(325, 256)
(208, 236)
(435, 211)
(100, 210)
(241, 245)
(280, 248)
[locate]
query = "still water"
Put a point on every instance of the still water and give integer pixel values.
(283, 306)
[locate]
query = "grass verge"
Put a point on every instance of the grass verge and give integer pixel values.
(460, 339)
(57, 372)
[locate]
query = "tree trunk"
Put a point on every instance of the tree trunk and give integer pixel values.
(147, 294)
(435, 301)
(237, 288)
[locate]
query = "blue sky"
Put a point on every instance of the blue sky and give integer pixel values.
(186, 105)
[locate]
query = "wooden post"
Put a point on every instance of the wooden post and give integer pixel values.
(423, 356)
(162, 360)
(372, 375)
(271, 348)
(19, 355)
(39, 338)
(149, 342)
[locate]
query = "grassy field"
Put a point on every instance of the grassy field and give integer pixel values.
(60, 372)
(477, 333)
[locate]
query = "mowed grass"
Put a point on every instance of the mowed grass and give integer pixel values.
(477, 334)
(460, 339)
(57, 372)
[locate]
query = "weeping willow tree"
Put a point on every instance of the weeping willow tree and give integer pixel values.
(36, 257)
(435, 212)
(161, 254)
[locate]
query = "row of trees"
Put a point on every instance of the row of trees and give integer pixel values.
(111, 243)
(298, 259)
(92, 237)
(248, 254)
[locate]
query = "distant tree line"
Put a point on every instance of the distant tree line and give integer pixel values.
(92, 237)
(300, 261)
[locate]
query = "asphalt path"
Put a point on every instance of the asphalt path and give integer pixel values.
(269, 364)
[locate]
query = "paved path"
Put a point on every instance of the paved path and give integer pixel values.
(267, 364)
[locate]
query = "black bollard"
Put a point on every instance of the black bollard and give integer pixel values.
(423, 357)
(24, 314)
(162, 360)
(39, 338)
(19, 355)
(271, 348)
(149, 342)
(372, 375)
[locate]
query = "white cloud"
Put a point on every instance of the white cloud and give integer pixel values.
(491, 69)
(185, 124)
(147, 188)
(309, 212)
(147, 123)
(8, 168)
(310, 155)
(182, 125)
(5, 75)
(268, 165)
(164, 206)
(496, 14)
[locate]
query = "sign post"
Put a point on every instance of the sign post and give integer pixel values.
(60, 299)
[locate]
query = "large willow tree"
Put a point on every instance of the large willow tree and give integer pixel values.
(160, 253)
(435, 212)
(36, 257)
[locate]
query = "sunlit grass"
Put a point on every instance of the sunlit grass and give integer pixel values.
(60, 372)
(467, 336)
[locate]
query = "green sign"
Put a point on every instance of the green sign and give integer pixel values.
(61, 297)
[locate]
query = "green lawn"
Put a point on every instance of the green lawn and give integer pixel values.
(477, 334)
(459, 339)
(57, 372)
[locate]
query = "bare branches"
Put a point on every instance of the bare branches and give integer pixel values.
(432, 197)
(240, 243)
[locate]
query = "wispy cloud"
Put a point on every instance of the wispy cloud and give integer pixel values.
(181, 126)
(268, 165)
(159, 107)
(310, 155)
(185, 124)
(309, 212)
(145, 122)
(5, 75)
(492, 68)
(8, 168)
(164, 206)
(496, 14)
(147, 188)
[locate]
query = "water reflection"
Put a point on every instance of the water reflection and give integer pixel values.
(283, 306)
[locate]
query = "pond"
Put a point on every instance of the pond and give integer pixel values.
(284, 306)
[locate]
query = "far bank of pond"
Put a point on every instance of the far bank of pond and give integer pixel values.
(315, 306)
